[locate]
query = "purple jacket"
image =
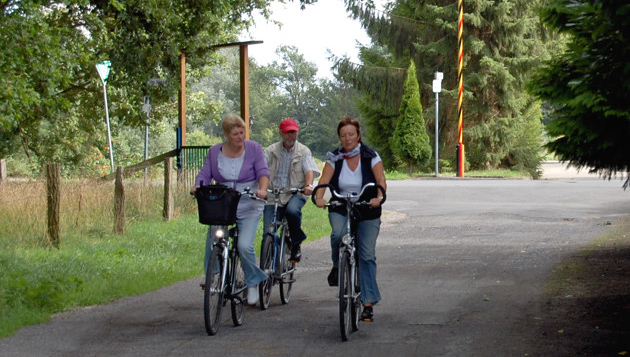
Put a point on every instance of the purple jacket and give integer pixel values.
(254, 166)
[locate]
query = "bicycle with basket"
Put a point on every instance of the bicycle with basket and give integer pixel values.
(225, 279)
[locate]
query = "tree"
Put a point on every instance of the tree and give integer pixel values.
(587, 85)
(411, 141)
(52, 98)
(503, 43)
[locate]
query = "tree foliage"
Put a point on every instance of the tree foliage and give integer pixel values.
(51, 106)
(288, 87)
(411, 141)
(503, 42)
(587, 85)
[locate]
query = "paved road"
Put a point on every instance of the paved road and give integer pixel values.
(462, 266)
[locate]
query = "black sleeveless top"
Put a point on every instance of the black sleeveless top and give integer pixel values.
(367, 176)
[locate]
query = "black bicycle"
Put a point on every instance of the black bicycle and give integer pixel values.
(349, 289)
(275, 252)
(225, 279)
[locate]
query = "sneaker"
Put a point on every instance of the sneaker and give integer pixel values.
(296, 254)
(367, 314)
(252, 296)
(333, 277)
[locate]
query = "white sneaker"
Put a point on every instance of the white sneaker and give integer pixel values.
(252, 295)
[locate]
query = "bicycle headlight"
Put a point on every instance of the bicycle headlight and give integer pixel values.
(346, 239)
(219, 233)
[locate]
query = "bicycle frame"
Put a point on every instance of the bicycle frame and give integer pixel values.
(278, 247)
(229, 255)
(273, 255)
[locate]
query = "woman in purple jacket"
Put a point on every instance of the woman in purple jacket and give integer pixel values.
(239, 163)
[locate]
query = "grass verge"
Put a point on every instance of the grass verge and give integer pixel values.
(94, 267)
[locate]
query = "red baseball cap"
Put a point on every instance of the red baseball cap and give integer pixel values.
(289, 124)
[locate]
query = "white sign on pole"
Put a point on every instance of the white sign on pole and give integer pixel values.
(103, 70)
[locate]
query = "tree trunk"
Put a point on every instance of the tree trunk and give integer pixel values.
(168, 189)
(119, 203)
(53, 194)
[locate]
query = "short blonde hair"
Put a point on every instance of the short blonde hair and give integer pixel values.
(232, 121)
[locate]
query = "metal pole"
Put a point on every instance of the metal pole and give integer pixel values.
(109, 134)
(460, 76)
(437, 109)
(146, 146)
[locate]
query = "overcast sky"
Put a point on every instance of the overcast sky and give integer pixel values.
(321, 26)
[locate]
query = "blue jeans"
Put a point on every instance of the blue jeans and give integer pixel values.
(367, 232)
(246, 235)
(293, 212)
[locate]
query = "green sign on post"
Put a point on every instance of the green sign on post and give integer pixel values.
(103, 70)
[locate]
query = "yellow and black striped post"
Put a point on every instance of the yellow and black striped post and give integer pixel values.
(460, 77)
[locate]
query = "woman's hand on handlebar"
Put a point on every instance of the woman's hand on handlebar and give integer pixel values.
(376, 202)
(261, 193)
(320, 202)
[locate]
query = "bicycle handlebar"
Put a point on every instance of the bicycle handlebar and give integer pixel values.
(277, 191)
(248, 192)
(348, 196)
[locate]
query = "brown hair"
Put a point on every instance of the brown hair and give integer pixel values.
(230, 122)
(349, 121)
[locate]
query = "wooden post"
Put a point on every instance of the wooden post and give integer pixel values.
(53, 183)
(119, 202)
(3, 169)
(244, 74)
(168, 189)
(244, 69)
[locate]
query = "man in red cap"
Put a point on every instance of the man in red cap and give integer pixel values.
(291, 165)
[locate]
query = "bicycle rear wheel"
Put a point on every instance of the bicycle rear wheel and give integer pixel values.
(238, 292)
(345, 296)
(213, 293)
(288, 269)
(266, 262)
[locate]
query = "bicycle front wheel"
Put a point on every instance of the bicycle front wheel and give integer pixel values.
(238, 291)
(288, 269)
(356, 299)
(346, 303)
(213, 293)
(266, 262)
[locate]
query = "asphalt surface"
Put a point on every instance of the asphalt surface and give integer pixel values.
(462, 270)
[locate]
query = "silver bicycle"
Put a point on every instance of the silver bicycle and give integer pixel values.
(349, 289)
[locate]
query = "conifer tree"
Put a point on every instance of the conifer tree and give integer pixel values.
(502, 44)
(410, 142)
(588, 87)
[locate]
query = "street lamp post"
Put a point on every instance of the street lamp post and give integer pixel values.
(103, 72)
(146, 108)
(437, 88)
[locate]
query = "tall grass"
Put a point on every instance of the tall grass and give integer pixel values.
(93, 265)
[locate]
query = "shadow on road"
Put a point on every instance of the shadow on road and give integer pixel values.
(587, 312)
